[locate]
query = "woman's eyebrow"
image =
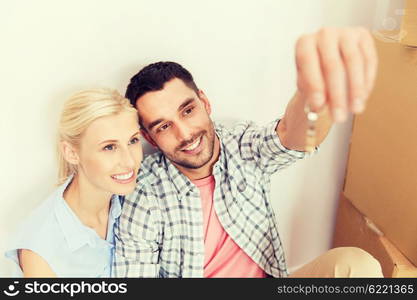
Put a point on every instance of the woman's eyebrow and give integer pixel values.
(115, 141)
(108, 141)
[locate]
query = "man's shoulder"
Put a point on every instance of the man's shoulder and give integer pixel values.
(151, 167)
(153, 160)
(238, 134)
(233, 129)
(152, 172)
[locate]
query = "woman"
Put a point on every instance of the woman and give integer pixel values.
(71, 233)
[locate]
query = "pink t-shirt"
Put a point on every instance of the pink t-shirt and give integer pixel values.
(223, 257)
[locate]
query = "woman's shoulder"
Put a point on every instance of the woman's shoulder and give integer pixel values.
(38, 232)
(44, 218)
(41, 224)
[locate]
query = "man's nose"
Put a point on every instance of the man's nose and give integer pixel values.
(184, 132)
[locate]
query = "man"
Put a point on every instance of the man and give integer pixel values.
(201, 207)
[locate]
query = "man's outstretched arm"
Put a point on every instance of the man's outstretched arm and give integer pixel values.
(336, 71)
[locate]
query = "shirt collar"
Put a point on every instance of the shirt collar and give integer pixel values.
(179, 180)
(75, 233)
(116, 206)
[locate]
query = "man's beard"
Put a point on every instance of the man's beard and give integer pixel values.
(197, 163)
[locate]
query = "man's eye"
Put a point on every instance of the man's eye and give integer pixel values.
(163, 127)
(134, 141)
(109, 147)
(188, 110)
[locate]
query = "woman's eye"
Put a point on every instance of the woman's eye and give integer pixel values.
(109, 147)
(134, 141)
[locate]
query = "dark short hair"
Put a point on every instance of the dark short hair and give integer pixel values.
(154, 76)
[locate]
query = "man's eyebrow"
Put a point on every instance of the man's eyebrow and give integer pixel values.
(184, 104)
(154, 123)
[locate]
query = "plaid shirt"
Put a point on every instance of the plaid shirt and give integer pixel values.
(160, 231)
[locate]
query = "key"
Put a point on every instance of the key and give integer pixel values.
(311, 129)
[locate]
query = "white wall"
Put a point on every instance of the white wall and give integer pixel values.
(241, 55)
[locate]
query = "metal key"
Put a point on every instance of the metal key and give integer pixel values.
(311, 129)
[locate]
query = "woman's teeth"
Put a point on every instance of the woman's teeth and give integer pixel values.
(193, 145)
(124, 176)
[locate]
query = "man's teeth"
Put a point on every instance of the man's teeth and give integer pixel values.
(123, 177)
(193, 145)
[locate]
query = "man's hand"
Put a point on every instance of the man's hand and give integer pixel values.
(336, 70)
(336, 67)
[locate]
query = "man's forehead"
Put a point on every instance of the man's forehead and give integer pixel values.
(155, 104)
(173, 90)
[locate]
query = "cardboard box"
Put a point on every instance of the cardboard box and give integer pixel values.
(409, 24)
(354, 230)
(381, 176)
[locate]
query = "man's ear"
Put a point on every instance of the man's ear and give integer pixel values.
(148, 138)
(205, 101)
(70, 153)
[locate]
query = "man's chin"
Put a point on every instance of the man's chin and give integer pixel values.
(192, 164)
(189, 165)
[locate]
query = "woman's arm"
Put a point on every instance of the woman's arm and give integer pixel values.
(34, 265)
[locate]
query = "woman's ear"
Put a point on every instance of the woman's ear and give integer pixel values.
(69, 153)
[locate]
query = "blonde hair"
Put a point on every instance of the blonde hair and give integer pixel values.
(79, 111)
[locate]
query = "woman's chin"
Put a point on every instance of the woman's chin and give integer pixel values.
(123, 189)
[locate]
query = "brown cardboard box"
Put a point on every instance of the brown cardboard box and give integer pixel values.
(381, 176)
(409, 24)
(353, 229)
